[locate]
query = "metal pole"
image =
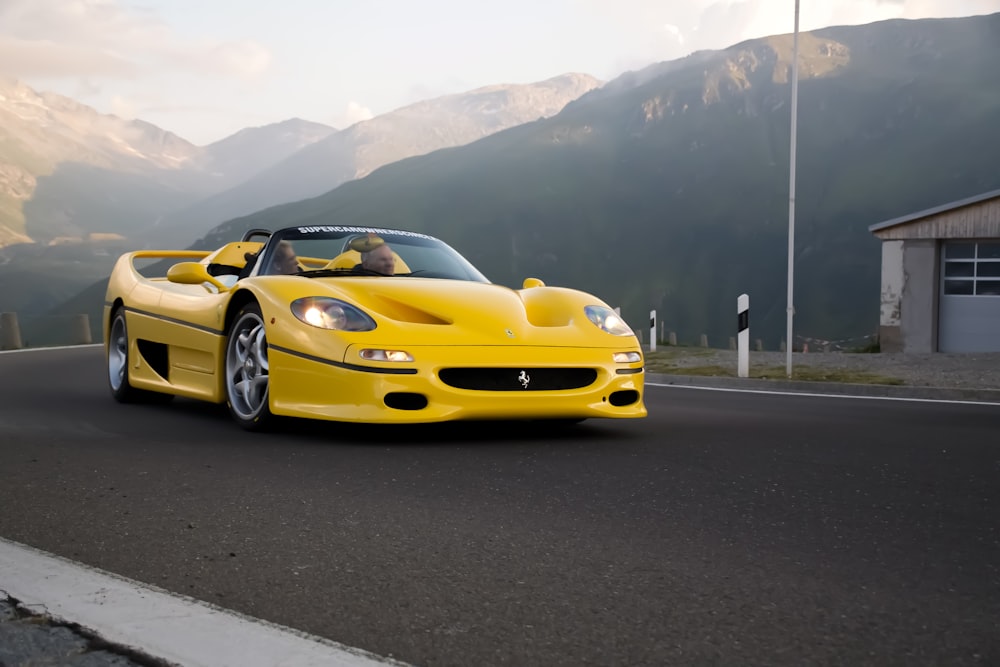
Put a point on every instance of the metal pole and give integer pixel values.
(791, 196)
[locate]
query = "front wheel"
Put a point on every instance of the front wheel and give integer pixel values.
(117, 355)
(247, 378)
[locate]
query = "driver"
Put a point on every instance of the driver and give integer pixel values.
(379, 260)
(284, 259)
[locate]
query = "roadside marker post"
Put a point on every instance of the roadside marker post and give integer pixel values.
(743, 335)
(652, 331)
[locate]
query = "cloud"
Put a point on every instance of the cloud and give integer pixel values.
(122, 107)
(643, 32)
(243, 59)
(49, 59)
(725, 22)
(675, 32)
(96, 27)
(104, 38)
(355, 113)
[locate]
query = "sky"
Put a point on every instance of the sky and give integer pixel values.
(204, 69)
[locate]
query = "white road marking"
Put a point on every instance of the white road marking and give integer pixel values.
(820, 395)
(161, 624)
(47, 349)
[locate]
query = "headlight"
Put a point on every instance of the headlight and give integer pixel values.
(326, 313)
(627, 357)
(608, 320)
(385, 355)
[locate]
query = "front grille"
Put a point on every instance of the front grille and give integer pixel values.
(518, 379)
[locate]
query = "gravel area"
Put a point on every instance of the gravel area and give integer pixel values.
(965, 371)
(30, 639)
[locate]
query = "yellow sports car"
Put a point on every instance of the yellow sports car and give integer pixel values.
(364, 325)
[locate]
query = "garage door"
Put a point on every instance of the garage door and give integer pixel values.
(969, 317)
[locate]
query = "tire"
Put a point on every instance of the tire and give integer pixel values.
(117, 355)
(247, 372)
(117, 358)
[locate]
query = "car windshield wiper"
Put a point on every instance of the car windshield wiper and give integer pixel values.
(358, 271)
(326, 273)
(332, 273)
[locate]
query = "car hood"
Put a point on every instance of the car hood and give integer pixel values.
(455, 312)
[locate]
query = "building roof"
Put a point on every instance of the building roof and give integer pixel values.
(993, 194)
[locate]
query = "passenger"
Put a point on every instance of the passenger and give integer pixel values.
(284, 260)
(379, 260)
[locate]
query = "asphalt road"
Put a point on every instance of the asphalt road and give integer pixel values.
(726, 528)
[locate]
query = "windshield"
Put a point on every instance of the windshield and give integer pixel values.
(323, 251)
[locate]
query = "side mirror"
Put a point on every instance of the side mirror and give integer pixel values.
(532, 282)
(193, 273)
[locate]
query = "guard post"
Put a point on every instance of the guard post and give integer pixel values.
(743, 335)
(652, 331)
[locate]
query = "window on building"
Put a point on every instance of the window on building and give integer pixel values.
(971, 268)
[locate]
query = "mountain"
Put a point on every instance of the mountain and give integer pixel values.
(67, 171)
(355, 152)
(252, 150)
(667, 188)
(98, 192)
(41, 133)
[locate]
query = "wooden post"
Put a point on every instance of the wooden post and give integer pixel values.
(10, 332)
(80, 330)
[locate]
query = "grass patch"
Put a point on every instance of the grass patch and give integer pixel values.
(665, 353)
(802, 373)
(810, 374)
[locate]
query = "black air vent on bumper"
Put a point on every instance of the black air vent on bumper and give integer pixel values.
(518, 379)
(622, 398)
(405, 400)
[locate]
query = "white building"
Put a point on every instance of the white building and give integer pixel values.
(941, 278)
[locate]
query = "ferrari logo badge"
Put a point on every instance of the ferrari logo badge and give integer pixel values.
(524, 379)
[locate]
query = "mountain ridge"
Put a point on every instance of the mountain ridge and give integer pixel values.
(690, 162)
(84, 228)
(354, 152)
(59, 157)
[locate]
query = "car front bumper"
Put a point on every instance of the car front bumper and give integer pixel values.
(351, 390)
